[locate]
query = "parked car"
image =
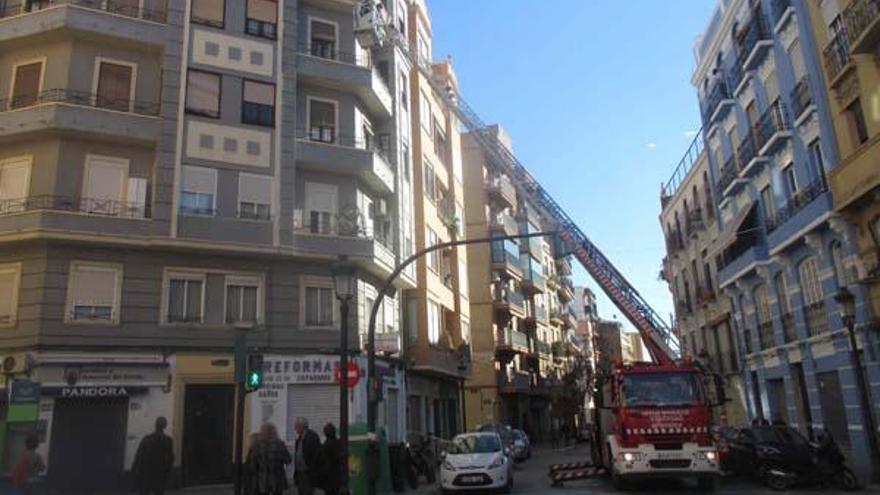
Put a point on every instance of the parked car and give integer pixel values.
(476, 461)
(504, 431)
(522, 446)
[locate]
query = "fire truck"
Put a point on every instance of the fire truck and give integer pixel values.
(652, 419)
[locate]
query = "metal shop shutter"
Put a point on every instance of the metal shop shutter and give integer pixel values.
(317, 403)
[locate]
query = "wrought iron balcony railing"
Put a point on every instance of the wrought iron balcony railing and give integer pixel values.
(751, 34)
(777, 10)
(836, 55)
(800, 200)
(817, 318)
(79, 98)
(729, 172)
(352, 223)
(800, 97)
(122, 8)
(328, 51)
(773, 120)
(746, 151)
(718, 92)
(859, 17)
(91, 206)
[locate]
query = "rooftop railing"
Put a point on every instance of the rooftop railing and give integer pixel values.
(684, 166)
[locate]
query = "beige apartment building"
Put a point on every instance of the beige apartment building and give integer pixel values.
(519, 294)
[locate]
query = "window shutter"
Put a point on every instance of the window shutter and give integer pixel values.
(137, 196)
(94, 286)
(320, 197)
(104, 180)
(14, 178)
(255, 188)
(199, 179)
(323, 30)
(8, 278)
(27, 82)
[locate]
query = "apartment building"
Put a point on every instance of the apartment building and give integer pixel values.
(174, 173)
(847, 33)
(519, 295)
(702, 320)
(770, 138)
(438, 310)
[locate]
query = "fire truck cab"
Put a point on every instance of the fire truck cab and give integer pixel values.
(655, 422)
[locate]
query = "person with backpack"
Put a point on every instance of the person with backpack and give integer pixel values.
(266, 461)
(25, 474)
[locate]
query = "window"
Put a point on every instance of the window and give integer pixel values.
(318, 305)
(208, 12)
(816, 159)
(322, 120)
(104, 183)
(839, 266)
(809, 275)
(388, 317)
(254, 196)
(790, 181)
(15, 177)
(27, 80)
(439, 142)
(404, 91)
(93, 292)
(761, 306)
(323, 39)
(463, 286)
(242, 299)
(186, 298)
(321, 207)
(433, 256)
(258, 103)
(203, 93)
(262, 18)
(435, 323)
(466, 332)
(425, 113)
(424, 50)
(782, 293)
(430, 182)
(855, 119)
(404, 161)
(115, 86)
(197, 190)
(796, 56)
(10, 277)
(767, 202)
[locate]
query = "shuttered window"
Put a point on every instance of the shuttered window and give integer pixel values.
(93, 292)
(434, 322)
(203, 93)
(26, 85)
(10, 276)
(255, 196)
(243, 299)
(810, 285)
(185, 298)
(209, 12)
(323, 39)
(197, 190)
(14, 183)
(104, 184)
(318, 306)
(322, 121)
(115, 86)
(321, 208)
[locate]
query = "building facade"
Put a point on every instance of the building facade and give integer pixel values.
(171, 174)
(783, 252)
(519, 294)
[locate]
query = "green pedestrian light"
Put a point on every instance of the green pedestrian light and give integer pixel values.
(254, 376)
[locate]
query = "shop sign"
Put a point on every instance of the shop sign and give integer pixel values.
(25, 392)
(388, 342)
(300, 369)
(97, 391)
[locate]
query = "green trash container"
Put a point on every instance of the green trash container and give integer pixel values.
(362, 460)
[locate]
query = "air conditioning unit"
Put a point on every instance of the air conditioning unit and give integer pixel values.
(380, 208)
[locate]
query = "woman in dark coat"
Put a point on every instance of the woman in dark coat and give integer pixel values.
(333, 460)
(268, 456)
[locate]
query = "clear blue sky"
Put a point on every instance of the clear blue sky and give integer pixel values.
(596, 95)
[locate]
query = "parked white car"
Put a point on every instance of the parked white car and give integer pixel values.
(476, 461)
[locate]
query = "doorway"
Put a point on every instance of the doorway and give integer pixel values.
(207, 434)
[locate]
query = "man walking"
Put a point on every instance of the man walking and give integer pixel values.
(307, 458)
(153, 461)
(25, 474)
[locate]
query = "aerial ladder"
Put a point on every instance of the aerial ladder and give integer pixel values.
(373, 30)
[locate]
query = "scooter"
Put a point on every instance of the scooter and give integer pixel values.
(419, 460)
(830, 469)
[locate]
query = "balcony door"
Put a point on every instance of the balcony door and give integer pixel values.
(115, 85)
(26, 84)
(321, 208)
(104, 185)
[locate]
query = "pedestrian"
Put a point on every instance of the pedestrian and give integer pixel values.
(153, 460)
(249, 479)
(266, 460)
(25, 474)
(332, 452)
(308, 467)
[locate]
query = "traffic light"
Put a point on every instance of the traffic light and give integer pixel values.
(254, 376)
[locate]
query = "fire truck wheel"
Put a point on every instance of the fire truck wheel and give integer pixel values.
(707, 483)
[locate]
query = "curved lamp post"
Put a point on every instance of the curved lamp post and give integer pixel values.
(344, 284)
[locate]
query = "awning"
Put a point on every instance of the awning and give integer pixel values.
(731, 231)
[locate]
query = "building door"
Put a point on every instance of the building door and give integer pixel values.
(833, 408)
(801, 400)
(776, 399)
(87, 449)
(208, 412)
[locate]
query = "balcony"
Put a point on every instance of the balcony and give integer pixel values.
(448, 215)
(718, 101)
(856, 176)
(511, 341)
(800, 201)
(801, 99)
(349, 235)
(505, 223)
(505, 258)
(754, 41)
(532, 245)
(436, 361)
(509, 301)
(141, 23)
(566, 290)
(694, 223)
(837, 58)
(557, 316)
(348, 72)
(779, 10)
(323, 150)
(533, 280)
(765, 335)
(789, 333)
(75, 214)
(862, 20)
(543, 348)
(729, 177)
(513, 382)
(804, 208)
(816, 318)
(541, 314)
(65, 110)
(742, 262)
(501, 191)
(772, 128)
(563, 266)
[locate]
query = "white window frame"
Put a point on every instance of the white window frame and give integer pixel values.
(432, 339)
(113, 161)
(240, 197)
(426, 114)
(70, 298)
(15, 66)
(336, 31)
(183, 274)
(320, 283)
(182, 190)
(15, 270)
(789, 176)
(810, 286)
(248, 281)
(28, 163)
(335, 103)
(97, 74)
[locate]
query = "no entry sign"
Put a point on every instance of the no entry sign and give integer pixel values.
(354, 374)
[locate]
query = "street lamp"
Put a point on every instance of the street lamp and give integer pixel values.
(344, 285)
(846, 305)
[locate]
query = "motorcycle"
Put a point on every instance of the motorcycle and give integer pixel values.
(829, 464)
(419, 460)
